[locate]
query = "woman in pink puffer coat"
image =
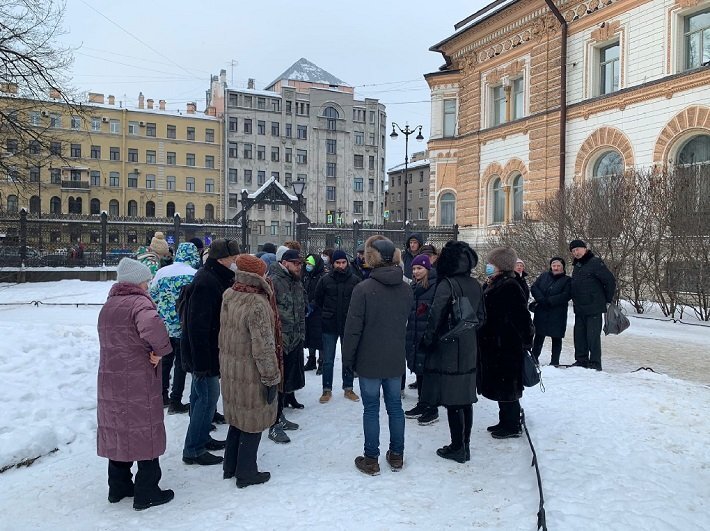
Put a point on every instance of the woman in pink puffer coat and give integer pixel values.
(133, 338)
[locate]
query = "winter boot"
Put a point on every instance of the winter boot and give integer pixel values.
(430, 416)
(214, 444)
(290, 401)
(120, 481)
(506, 432)
(178, 407)
(147, 491)
(218, 418)
(206, 459)
(326, 396)
(278, 435)
(450, 452)
(311, 363)
(256, 479)
(351, 395)
(367, 465)
(416, 412)
(580, 363)
(395, 461)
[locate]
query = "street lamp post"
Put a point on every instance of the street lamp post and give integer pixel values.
(406, 132)
(298, 187)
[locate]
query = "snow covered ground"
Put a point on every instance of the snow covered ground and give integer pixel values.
(617, 449)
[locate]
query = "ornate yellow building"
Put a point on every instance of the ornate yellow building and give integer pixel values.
(142, 161)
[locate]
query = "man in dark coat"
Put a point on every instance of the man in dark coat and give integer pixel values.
(374, 347)
(414, 244)
(552, 291)
(199, 348)
(503, 340)
(593, 287)
(315, 270)
(450, 366)
(332, 297)
(358, 266)
(291, 304)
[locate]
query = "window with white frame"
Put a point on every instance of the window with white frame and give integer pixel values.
(609, 68)
(498, 100)
(517, 202)
(696, 39)
(609, 163)
(517, 98)
(449, 117)
(497, 201)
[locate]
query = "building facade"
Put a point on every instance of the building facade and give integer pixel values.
(143, 161)
(415, 186)
(307, 125)
(636, 95)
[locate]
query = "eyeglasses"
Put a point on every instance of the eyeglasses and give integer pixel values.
(297, 262)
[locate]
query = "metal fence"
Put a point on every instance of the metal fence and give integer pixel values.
(93, 241)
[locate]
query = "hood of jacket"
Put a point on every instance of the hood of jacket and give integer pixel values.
(188, 254)
(456, 258)
(318, 268)
(390, 275)
(341, 276)
(252, 279)
(415, 236)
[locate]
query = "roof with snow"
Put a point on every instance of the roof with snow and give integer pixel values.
(270, 182)
(412, 165)
(304, 70)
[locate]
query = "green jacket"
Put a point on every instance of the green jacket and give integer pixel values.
(291, 302)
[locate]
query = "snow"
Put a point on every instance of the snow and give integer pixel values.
(304, 70)
(617, 449)
(411, 166)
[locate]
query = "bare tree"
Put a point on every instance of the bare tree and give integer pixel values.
(33, 81)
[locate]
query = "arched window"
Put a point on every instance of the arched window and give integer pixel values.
(75, 205)
(517, 198)
(447, 209)
(95, 206)
(695, 151)
(608, 164)
(332, 115)
(209, 212)
(498, 201)
(113, 208)
(190, 211)
(12, 203)
(170, 209)
(150, 209)
(132, 208)
(55, 205)
(35, 206)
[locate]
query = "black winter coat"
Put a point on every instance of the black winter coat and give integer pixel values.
(375, 330)
(314, 330)
(503, 339)
(552, 294)
(416, 325)
(593, 285)
(524, 284)
(449, 377)
(199, 343)
(332, 296)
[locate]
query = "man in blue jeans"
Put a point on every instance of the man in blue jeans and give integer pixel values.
(332, 296)
(374, 347)
(200, 349)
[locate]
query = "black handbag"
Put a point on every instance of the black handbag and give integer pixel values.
(462, 318)
(531, 371)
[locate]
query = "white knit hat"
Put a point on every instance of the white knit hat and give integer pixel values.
(132, 272)
(280, 252)
(158, 244)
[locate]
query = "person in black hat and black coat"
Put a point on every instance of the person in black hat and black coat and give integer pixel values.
(593, 287)
(315, 270)
(552, 291)
(503, 339)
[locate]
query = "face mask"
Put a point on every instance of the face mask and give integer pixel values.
(309, 268)
(325, 258)
(233, 267)
(490, 269)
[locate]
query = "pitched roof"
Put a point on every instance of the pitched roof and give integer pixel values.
(304, 70)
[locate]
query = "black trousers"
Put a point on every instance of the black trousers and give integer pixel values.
(460, 424)
(556, 348)
(170, 360)
(147, 479)
(587, 339)
(509, 414)
(240, 453)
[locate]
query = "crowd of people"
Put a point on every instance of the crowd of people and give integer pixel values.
(241, 324)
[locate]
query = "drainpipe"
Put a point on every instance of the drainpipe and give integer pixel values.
(563, 121)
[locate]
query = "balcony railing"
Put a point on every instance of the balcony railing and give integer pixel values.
(81, 185)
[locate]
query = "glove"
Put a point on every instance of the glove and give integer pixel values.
(271, 392)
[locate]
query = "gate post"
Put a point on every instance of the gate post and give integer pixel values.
(245, 222)
(23, 236)
(176, 229)
(456, 232)
(356, 236)
(104, 241)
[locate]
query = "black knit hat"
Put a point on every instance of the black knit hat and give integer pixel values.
(558, 259)
(577, 243)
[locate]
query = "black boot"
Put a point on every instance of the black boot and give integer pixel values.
(310, 364)
(290, 401)
(510, 421)
(256, 479)
(319, 370)
(495, 427)
(453, 453)
(147, 491)
(120, 481)
(467, 426)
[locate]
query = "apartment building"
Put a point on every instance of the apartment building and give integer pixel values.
(102, 155)
(306, 126)
(415, 187)
(509, 125)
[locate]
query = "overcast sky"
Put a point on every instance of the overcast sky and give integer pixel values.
(169, 49)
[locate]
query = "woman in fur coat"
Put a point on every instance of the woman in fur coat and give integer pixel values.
(503, 340)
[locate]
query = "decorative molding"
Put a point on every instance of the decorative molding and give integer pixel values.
(695, 117)
(686, 3)
(512, 69)
(514, 166)
(606, 31)
(604, 137)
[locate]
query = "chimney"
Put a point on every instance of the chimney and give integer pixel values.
(223, 76)
(161, 104)
(94, 97)
(150, 103)
(191, 107)
(250, 83)
(111, 99)
(211, 111)
(141, 99)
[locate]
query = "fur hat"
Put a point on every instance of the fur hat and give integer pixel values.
(504, 258)
(422, 260)
(132, 272)
(222, 248)
(269, 247)
(251, 264)
(158, 244)
(456, 258)
(280, 252)
(380, 251)
(339, 255)
(577, 243)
